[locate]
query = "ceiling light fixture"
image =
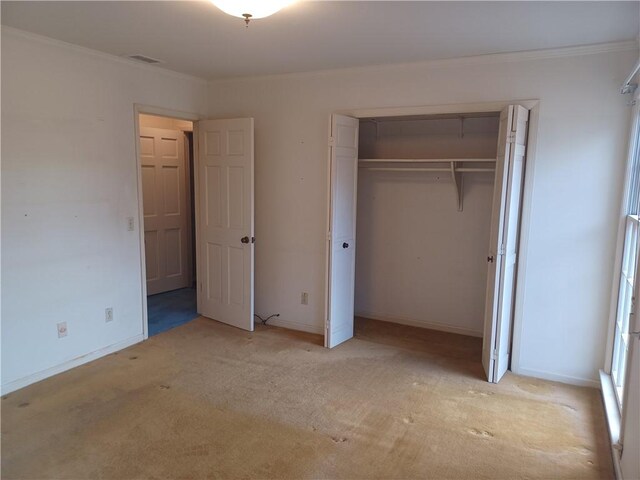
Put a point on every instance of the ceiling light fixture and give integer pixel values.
(251, 9)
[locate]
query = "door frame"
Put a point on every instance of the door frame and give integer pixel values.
(533, 105)
(179, 115)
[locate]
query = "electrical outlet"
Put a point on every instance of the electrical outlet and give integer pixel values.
(304, 298)
(62, 329)
(108, 314)
(130, 224)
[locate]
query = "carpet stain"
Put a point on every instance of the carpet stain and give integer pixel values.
(479, 393)
(480, 433)
(394, 402)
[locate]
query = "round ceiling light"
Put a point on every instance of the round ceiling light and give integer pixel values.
(251, 9)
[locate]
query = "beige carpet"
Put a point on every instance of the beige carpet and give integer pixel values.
(210, 401)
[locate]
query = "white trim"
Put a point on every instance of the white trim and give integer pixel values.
(612, 414)
(437, 109)
(327, 244)
(554, 377)
(488, 59)
(412, 322)
(163, 112)
(301, 327)
(610, 406)
(16, 32)
(68, 365)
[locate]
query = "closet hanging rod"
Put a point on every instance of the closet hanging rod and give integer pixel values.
(425, 160)
(407, 169)
(426, 169)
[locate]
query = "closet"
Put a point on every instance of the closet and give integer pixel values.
(425, 187)
(424, 222)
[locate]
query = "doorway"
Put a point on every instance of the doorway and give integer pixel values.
(410, 163)
(167, 180)
(196, 216)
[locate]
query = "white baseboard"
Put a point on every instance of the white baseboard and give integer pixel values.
(302, 327)
(63, 367)
(418, 323)
(556, 377)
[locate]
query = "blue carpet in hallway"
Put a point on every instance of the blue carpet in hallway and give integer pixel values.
(171, 309)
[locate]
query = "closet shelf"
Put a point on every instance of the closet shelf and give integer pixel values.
(425, 160)
(454, 169)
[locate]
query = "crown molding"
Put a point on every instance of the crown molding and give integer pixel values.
(488, 59)
(18, 33)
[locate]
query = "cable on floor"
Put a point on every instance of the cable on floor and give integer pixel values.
(265, 320)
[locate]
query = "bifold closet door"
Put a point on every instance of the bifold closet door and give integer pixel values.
(343, 178)
(225, 221)
(503, 255)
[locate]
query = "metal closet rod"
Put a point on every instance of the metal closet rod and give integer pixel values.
(426, 169)
(425, 160)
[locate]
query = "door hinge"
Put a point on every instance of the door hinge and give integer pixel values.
(502, 249)
(511, 137)
(332, 141)
(494, 354)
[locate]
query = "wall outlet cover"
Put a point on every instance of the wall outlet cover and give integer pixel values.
(62, 329)
(108, 314)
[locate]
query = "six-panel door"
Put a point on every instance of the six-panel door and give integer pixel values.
(226, 210)
(165, 208)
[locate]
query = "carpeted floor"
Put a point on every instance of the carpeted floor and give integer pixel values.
(206, 400)
(171, 309)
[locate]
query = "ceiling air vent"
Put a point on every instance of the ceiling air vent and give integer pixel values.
(144, 59)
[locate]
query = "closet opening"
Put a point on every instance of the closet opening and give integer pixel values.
(425, 190)
(424, 224)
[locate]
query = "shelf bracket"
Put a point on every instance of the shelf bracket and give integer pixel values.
(458, 183)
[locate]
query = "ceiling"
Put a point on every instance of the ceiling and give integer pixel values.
(194, 37)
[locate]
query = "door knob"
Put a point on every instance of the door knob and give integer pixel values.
(345, 245)
(244, 239)
(490, 259)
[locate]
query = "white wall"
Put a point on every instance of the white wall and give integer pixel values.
(68, 185)
(570, 215)
(419, 260)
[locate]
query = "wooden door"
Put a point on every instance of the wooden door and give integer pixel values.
(503, 255)
(226, 221)
(342, 229)
(166, 209)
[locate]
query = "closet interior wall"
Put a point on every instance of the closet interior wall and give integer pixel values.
(419, 260)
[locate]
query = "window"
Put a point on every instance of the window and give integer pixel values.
(625, 306)
(628, 269)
